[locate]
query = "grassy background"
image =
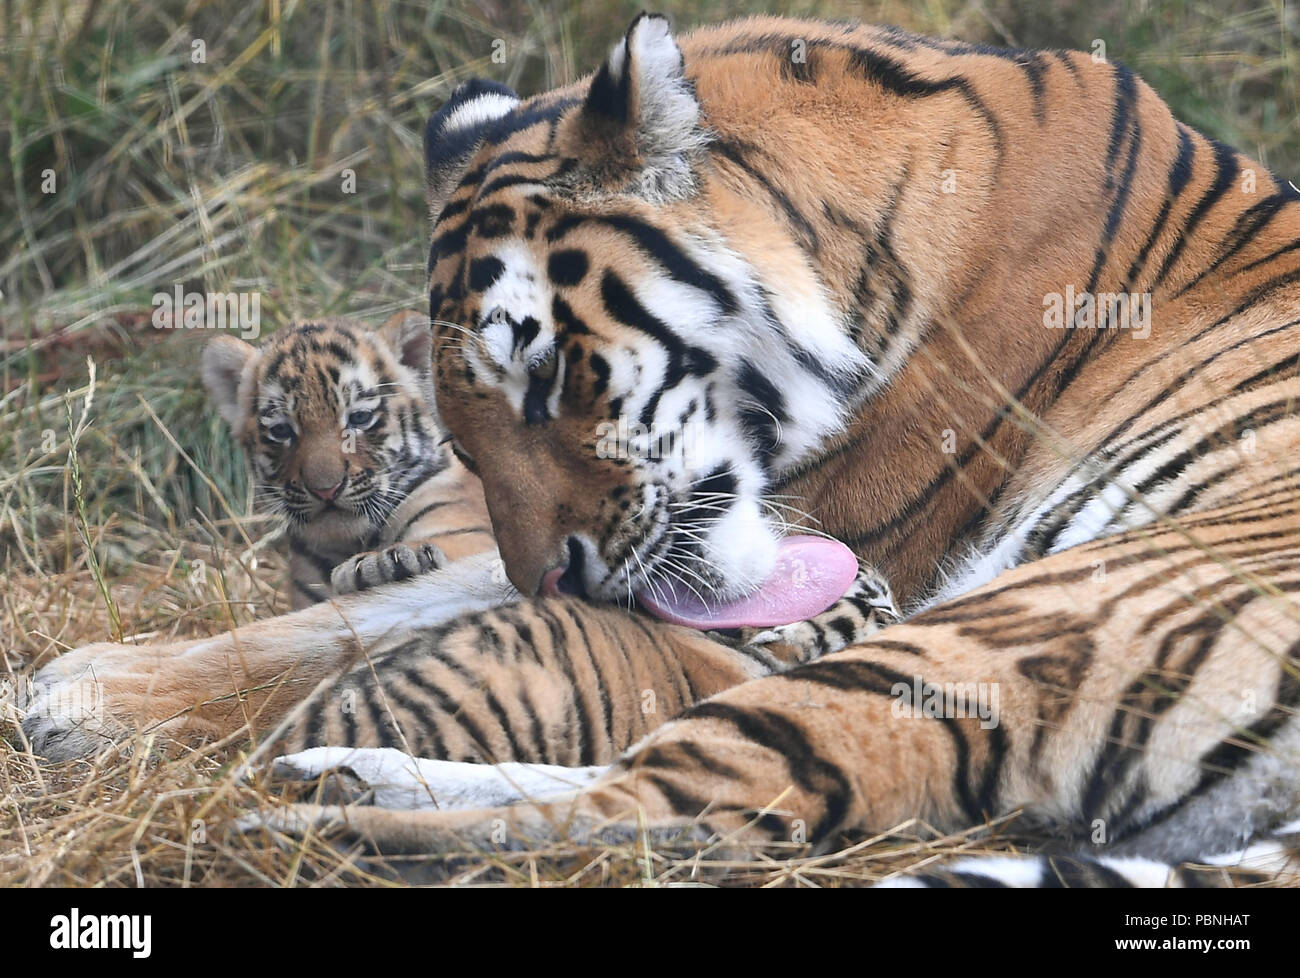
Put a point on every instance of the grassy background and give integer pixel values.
(226, 175)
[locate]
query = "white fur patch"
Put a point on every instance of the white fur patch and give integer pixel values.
(1111, 510)
(520, 293)
(488, 107)
(1026, 872)
(402, 782)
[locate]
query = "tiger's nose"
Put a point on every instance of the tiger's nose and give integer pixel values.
(569, 576)
(330, 493)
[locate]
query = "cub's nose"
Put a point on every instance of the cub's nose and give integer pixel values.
(327, 494)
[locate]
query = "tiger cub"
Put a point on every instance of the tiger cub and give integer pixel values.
(337, 422)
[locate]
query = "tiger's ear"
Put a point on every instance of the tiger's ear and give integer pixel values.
(226, 359)
(455, 132)
(409, 335)
(639, 128)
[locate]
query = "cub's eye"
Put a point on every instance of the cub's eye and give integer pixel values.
(280, 432)
(361, 420)
(497, 315)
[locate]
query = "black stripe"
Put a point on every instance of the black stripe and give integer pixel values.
(602, 686)
(1248, 225)
(818, 777)
(425, 511)
(1225, 172)
(455, 713)
(856, 675)
(739, 153)
(655, 243)
(1180, 171)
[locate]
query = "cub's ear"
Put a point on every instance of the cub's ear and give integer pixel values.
(638, 131)
(455, 132)
(409, 335)
(226, 359)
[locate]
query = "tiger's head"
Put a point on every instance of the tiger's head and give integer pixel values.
(335, 417)
(607, 357)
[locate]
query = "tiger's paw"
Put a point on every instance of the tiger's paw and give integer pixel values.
(866, 608)
(395, 563)
(68, 707)
(108, 695)
(388, 778)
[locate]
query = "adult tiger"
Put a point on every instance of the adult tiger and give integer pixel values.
(828, 249)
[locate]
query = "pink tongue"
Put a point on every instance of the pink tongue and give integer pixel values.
(810, 575)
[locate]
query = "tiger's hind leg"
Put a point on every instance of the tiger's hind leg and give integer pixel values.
(550, 681)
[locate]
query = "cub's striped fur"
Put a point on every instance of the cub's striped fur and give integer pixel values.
(338, 425)
(833, 271)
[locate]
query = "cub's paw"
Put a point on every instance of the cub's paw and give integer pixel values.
(866, 608)
(395, 563)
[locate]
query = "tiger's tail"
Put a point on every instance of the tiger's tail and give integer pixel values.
(1270, 861)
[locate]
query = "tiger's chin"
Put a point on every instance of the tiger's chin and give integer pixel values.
(728, 561)
(741, 551)
(334, 525)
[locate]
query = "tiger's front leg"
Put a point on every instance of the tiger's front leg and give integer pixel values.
(442, 521)
(249, 679)
(1128, 704)
(388, 566)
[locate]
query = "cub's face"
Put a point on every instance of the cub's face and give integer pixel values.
(603, 360)
(334, 416)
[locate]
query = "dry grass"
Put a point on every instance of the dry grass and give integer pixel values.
(226, 176)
